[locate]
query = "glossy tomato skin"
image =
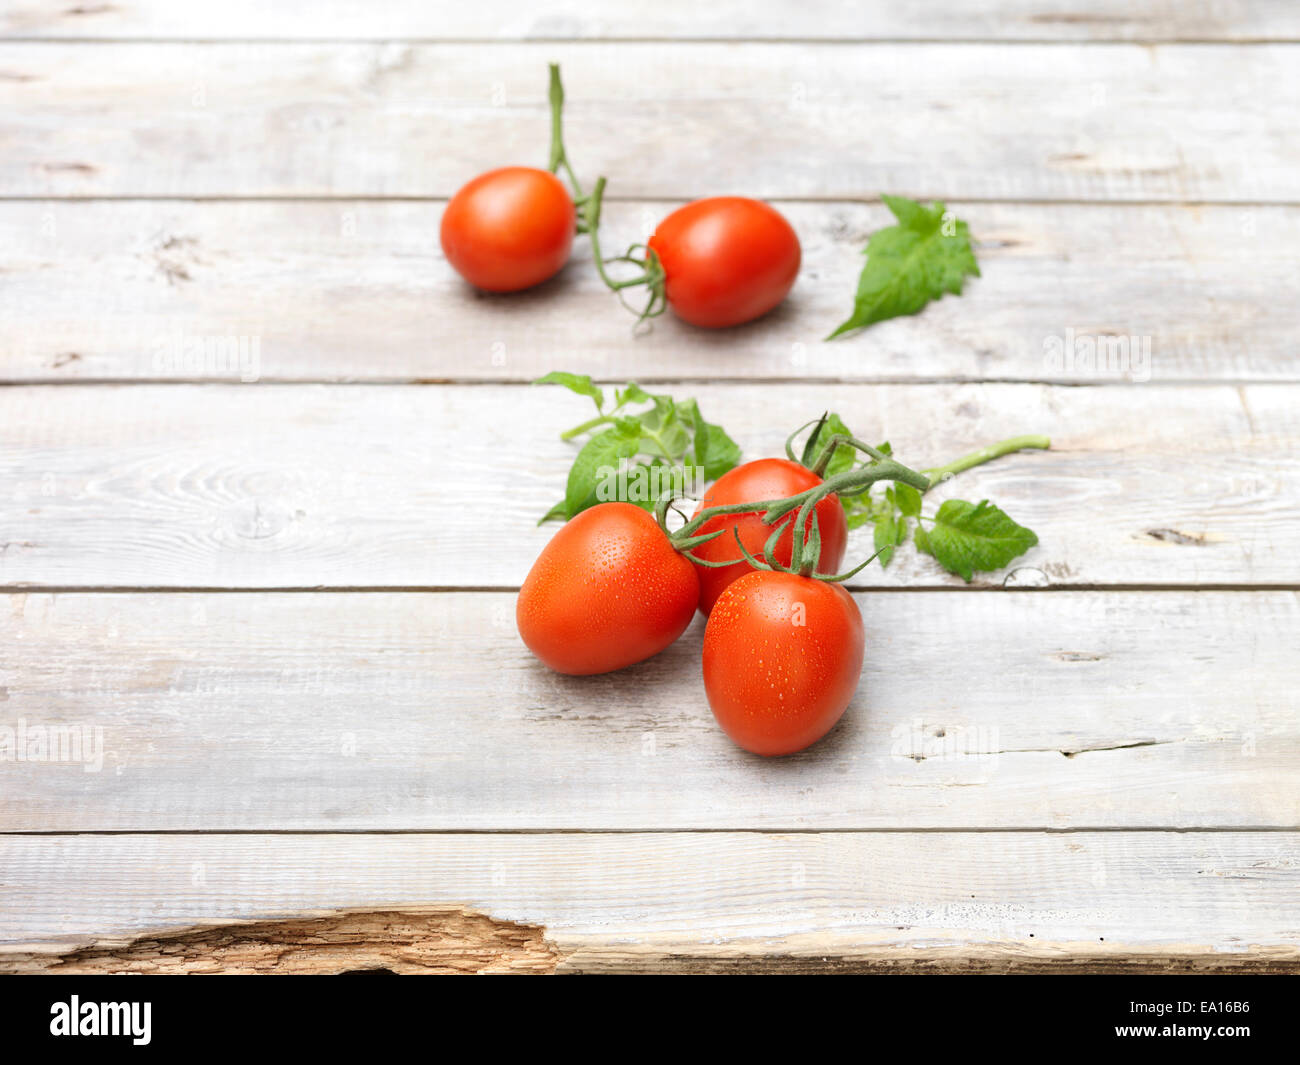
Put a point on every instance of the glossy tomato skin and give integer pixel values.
(749, 483)
(726, 260)
(607, 591)
(782, 658)
(509, 229)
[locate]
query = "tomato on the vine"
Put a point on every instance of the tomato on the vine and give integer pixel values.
(607, 591)
(725, 260)
(509, 229)
(782, 658)
(751, 483)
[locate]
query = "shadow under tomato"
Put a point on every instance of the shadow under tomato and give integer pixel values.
(524, 299)
(838, 745)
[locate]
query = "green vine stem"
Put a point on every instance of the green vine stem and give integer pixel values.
(589, 206)
(652, 271)
(936, 474)
(839, 439)
(559, 157)
(987, 454)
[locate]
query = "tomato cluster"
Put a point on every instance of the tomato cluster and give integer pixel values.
(716, 262)
(782, 651)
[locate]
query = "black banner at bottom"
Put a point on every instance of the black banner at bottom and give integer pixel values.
(141, 1014)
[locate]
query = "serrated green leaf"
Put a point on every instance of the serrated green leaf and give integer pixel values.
(924, 256)
(579, 383)
(964, 538)
(606, 449)
(669, 433)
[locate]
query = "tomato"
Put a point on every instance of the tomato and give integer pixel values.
(750, 483)
(782, 658)
(509, 229)
(726, 260)
(607, 591)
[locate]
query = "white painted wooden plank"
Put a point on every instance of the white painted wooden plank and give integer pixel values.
(424, 711)
(633, 901)
(1113, 122)
(359, 290)
(1238, 20)
(393, 486)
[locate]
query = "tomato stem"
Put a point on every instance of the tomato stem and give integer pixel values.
(652, 275)
(935, 474)
(588, 207)
(837, 440)
(986, 454)
(559, 157)
(587, 426)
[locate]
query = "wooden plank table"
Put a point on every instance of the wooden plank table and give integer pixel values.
(275, 597)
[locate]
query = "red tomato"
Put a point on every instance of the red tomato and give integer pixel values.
(782, 657)
(726, 260)
(749, 483)
(607, 591)
(509, 229)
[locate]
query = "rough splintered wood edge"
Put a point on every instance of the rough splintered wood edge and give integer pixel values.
(455, 940)
(435, 940)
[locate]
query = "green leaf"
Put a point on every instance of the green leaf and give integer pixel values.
(964, 538)
(890, 531)
(638, 493)
(557, 511)
(579, 383)
(633, 393)
(668, 433)
(856, 517)
(663, 432)
(907, 498)
(925, 256)
(721, 453)
(621, 441)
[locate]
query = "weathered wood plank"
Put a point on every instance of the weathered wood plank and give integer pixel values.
(1011, 122)
(424, 711)
(495, 20)
(359, 290)
(1019, 901)
(393, 486)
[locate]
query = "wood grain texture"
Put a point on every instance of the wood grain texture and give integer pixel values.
(496, 20)
(360, 291)
(424, 711)
(214, 486)
(1009, 122)
(895, 901)
(312, 780)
